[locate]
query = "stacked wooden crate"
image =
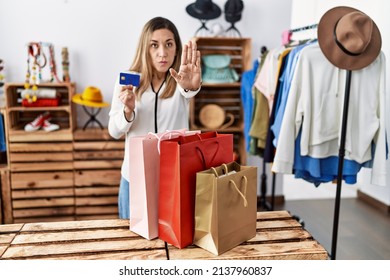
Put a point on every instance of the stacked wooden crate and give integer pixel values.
(97, 163)
(225, 95)
(40, 162)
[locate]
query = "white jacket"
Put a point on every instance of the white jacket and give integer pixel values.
(172, 114)
(315, 104)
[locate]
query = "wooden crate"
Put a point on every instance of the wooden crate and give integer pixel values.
(42, 156)
(81, 240)
(6, 200)
(239, 49)
(40, 163)
(41, 181)
(227, 95)
(97, 163)
(279, 237)
(18, 116)
(42, 196)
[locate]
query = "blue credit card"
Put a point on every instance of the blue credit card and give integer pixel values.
(129, 78)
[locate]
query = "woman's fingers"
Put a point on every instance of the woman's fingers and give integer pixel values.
(184, 55)
(189, 52)
(194, 53)
(198, 58)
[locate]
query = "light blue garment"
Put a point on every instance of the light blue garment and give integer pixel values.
(247, 81)
(287, 76)
(323, 170)
(124, 199)
(3, 146)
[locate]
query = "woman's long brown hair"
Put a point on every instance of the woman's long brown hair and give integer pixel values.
(142, 58)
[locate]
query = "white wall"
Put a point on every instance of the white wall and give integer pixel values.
(308, 12)
(101, 35)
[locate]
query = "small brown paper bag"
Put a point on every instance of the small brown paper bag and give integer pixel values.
(225, 207)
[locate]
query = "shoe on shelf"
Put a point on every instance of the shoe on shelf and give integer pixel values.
(48, 126)
(37, 123)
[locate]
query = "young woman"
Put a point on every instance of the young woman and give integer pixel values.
(170, 76)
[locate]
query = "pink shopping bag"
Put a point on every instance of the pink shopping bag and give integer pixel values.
(144, 173)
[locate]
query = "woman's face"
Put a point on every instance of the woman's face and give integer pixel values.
(162, 50)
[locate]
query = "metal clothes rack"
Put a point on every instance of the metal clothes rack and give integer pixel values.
(312, 26)
(341, 151)
(264, 204)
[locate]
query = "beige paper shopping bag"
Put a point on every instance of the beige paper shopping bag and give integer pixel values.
(225, 207)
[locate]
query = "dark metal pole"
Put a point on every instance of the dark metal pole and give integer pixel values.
(341, 164)
(273, 191)
(263, 188)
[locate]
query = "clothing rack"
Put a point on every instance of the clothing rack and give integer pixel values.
(263, 190)
(263, 178)
(341, 151)
(263, 187)
(312, 26)
(286, 35)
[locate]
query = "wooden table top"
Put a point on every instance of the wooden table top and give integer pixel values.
(279, 237)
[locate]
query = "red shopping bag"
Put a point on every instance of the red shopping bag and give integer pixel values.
(144, 170)
(180, 159)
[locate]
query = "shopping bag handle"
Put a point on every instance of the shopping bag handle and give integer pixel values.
(181, 132)
(203, 158)
(224, 168)
(239, 192)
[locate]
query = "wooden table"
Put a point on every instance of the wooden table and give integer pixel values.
(279, 236)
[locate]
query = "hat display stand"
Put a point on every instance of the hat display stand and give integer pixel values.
(233, 13)
(92, 113)
(92, 102)
(203, 30)
(203, 10)
(232, 31)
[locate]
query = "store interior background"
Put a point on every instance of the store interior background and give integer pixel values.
(102, 37)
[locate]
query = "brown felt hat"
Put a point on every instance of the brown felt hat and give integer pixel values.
(349, 38)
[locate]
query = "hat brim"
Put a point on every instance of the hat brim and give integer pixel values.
(327, 43)
(78, 99)
(214, 13)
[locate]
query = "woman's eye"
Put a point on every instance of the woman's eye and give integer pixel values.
(154, 46)
(169, 45)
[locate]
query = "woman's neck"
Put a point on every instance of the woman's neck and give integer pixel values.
(157, 80)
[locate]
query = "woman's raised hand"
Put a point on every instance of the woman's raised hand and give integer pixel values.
(189, 76)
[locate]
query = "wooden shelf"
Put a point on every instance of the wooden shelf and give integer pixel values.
(19, 135)
(226, 95)
(40, 163)
(18, 116)
(35, 109)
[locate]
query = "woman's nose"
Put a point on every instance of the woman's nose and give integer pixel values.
(162, 51)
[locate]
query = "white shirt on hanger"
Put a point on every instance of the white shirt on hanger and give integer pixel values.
(315, 105)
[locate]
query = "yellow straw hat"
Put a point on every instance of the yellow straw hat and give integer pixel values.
(91, 97)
